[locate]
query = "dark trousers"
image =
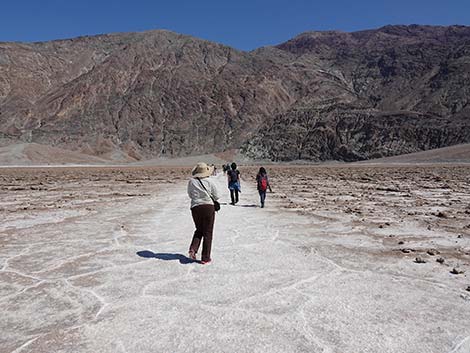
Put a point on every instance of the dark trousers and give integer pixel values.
(234, 196)
(203, 217)
(262, 197)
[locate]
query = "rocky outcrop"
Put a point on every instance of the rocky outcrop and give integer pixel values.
(322, 95)
(351, 133)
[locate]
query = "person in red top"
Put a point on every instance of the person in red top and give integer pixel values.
(262, 185)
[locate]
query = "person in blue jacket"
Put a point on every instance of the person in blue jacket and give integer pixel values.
(233, 177)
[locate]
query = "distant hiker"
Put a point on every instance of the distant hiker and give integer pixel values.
(203, 195)
(262, 184)
(233, 177)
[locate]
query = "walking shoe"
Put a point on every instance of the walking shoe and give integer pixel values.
(192, 255)
(205, 262)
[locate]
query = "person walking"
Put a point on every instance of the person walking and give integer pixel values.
(233, 177)
(203, 194)
(262, 182)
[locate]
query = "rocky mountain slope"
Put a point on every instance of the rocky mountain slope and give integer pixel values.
(411, 89)
(319, 96)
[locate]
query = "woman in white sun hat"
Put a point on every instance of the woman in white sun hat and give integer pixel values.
(203, 195)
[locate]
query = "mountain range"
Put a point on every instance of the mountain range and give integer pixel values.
(319, 96)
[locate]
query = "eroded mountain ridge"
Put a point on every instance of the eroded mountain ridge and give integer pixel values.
(319, 96)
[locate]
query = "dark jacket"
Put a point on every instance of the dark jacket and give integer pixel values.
(233, 177)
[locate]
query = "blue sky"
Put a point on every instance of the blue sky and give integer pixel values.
(242, 24)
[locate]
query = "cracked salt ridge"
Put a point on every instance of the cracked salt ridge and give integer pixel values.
(262, 293)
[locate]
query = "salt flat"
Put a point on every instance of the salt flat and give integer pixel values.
(107, 272)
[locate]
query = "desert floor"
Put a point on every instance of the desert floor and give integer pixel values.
(342, 259)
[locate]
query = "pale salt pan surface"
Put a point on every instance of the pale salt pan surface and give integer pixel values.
(279, 282)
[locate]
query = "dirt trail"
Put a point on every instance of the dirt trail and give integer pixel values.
(118, 280)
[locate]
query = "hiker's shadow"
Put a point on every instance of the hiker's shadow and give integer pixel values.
(165, 256)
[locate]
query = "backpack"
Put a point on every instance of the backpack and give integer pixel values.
(263, 183)
(233, 176)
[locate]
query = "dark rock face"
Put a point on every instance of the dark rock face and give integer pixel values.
(324, 95)
(348, 133)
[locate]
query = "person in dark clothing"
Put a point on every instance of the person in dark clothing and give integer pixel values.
(233, 177)
(262, 182)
